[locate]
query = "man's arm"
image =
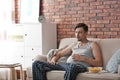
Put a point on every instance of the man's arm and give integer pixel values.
(97, 61)
(63, 52)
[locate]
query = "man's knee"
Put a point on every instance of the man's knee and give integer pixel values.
(36, 63)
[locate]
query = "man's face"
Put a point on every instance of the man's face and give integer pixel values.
(80, 34)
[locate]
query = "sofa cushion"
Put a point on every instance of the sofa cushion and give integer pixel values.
(59, 75)
(55, 75)
(113, 63)
(98, 76)
(108, 48)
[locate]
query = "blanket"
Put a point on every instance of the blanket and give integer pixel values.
(53, 52)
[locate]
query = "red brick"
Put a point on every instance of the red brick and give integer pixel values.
(76, 8)
(65, 16)
(83, 11)
(115, 6)
(109, 2)
(111, 25)
(63, 2)
(103, 7)
(55, 16)
(103, 36)
(70, 33)
(118, 17)
(102, 14)
(109, 18)
(60, 0)
(96, 18)
(118, 33)
(58, 20)
(117, 36)
(89, 22)
(76, 22)
(78, 1)
(60, 13)
(103, 21)
(90, 15)
(97, 25)
(62, 33)
(70, 19)
(115, 14)
(89, 7)
(95, 3)
(83, 18)
(66, 22)
(109, 10)
(92, 29)
(96, 11)
(89, 0)
(97, 33)
(114, 29)
(105, 29)
(92, 36)
(78, 15)
(115, 21)
(83, 4)
(71, 12)
(110, 33)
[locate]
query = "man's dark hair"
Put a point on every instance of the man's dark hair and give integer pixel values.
(82, 25)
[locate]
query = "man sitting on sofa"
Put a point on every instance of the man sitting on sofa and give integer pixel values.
(84, 53)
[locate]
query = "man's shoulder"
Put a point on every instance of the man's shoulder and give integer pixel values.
(93, 43)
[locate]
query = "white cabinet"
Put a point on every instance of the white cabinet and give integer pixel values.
(38, 39)
(32, 39)
(40, 35)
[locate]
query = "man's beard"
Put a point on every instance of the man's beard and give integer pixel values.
(79, 39)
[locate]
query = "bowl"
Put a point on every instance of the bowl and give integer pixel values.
(94, 69)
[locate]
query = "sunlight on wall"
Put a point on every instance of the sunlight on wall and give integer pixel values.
(11, 37)
(6, 9)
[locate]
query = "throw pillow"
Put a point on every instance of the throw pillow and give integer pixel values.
(53, 52)
(114, 62)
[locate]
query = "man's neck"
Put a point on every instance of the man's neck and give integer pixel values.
(84, 41)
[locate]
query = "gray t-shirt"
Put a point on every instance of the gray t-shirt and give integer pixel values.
(84, 51)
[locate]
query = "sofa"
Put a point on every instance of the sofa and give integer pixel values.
(108, 48)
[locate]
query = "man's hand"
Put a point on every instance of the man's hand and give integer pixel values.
(52, 61)
(78, 57)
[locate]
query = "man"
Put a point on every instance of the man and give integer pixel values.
(85, 53)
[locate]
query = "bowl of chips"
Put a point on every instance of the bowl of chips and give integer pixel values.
(94, 69)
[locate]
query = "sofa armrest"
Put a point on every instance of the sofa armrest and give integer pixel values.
(119, 69)
(40, 58)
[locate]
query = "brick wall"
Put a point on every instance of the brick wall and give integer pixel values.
(17, 11)
(102, 16)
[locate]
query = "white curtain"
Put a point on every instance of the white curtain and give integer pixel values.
(6, 21)
(6, 10)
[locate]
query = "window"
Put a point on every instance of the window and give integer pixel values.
(29, 11)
